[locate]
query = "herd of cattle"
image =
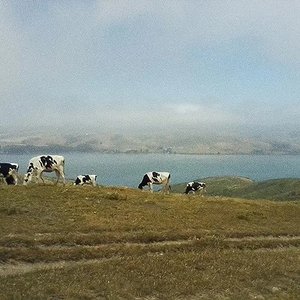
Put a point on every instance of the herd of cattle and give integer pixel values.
(55, 163)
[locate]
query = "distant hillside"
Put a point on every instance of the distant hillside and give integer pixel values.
(275, 189)
(144, 143)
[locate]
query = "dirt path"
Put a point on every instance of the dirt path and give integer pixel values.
(16, 268)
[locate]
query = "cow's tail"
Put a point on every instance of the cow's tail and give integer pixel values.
(169, 185)
(63, 163)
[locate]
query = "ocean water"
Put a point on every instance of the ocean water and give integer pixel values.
(128, 169)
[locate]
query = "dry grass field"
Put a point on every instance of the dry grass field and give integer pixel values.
(111, 243)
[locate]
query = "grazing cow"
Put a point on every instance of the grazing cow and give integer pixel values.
(39, 164)
(195, 186)
(151, 178)
(86, 179)
(10, 172)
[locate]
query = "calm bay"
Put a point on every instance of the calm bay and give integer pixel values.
(128, 169)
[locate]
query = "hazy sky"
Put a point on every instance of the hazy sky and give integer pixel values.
(151, 64)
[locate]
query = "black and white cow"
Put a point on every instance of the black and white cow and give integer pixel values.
(86, 179)
(194, 186)
(10, 172)
(151, 178)
(45, 163)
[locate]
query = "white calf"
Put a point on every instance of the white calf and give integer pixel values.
(86, 179)
(151, 178)
(195, 186)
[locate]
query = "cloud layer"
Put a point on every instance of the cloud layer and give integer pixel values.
(130, 64)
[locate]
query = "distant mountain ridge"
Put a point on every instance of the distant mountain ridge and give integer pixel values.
(169, 143)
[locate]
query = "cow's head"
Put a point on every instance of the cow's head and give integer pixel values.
(12, 176)
(28, 175)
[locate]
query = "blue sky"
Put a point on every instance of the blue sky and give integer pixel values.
(150, 64)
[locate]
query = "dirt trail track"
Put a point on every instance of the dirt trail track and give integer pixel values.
(16, 267)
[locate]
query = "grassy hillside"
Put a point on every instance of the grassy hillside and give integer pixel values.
(275, 189)
(110, 243)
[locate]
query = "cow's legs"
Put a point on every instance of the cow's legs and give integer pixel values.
(15, 179)
(40, 177)
(13, 173)
(59, 173)
(166, 187)
(63, 177)
(150, 187)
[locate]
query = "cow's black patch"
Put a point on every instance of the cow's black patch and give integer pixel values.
(6, 167)
(155, 176)
(87, 177)
(196, 186)
(77, 181)
(47, 161)
(144, 182)
(30, 168)
(10, 180)
(188, 189)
